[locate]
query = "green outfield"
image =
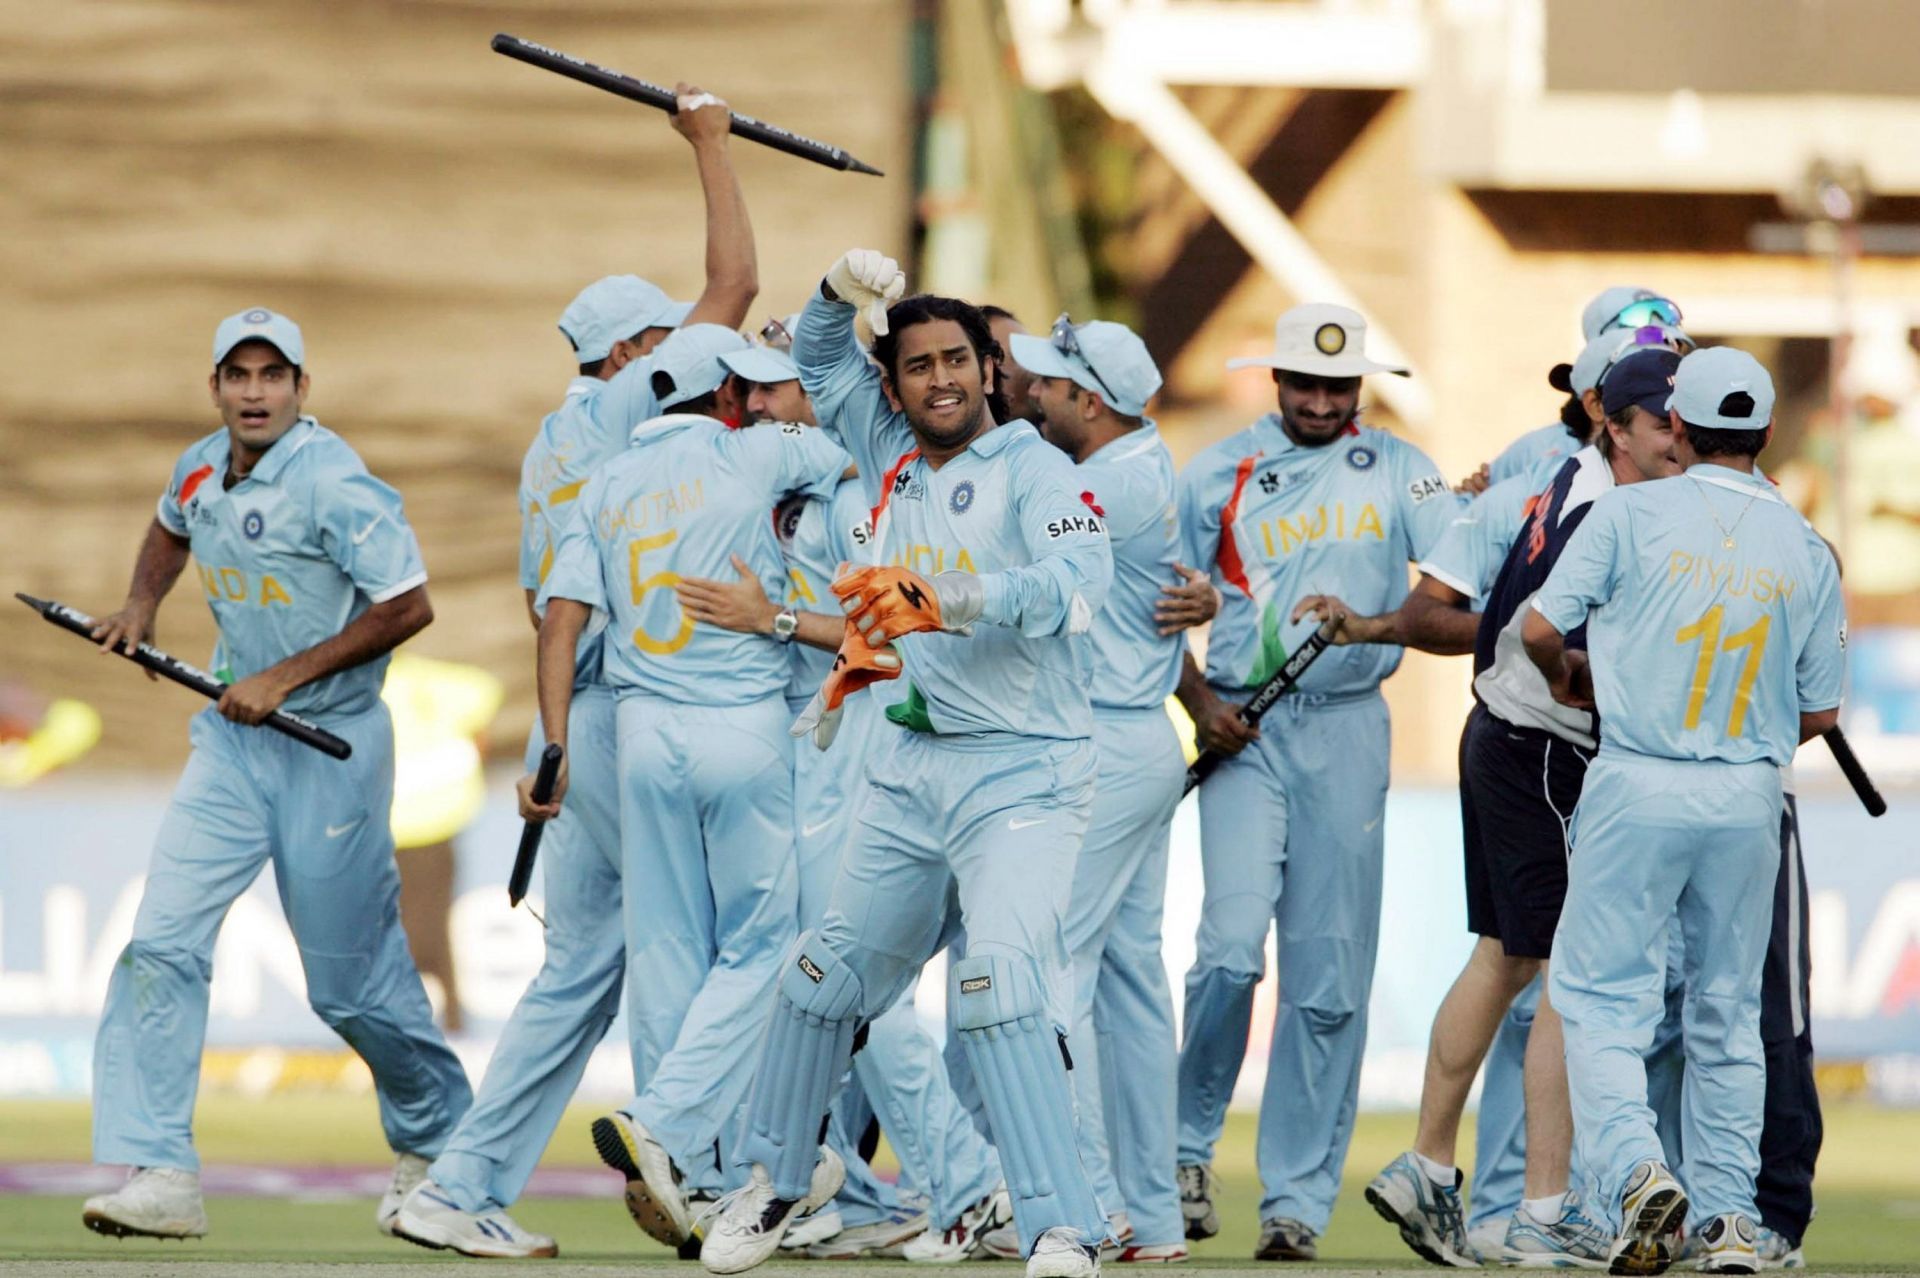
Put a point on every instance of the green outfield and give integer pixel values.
(1869, 1196)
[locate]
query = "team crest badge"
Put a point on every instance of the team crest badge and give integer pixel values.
(962, 500)
(256, 316)
(1361, 457)
(253, 525)
(1330, 339)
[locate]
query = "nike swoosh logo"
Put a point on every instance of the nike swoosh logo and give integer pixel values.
(367, 532)
(335, 831)
(1015, 823)
(1368, 828)
(808, 831)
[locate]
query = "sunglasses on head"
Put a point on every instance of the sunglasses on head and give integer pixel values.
(1068, 343)
(1649, 310)
(774, 336)
(1645, 336)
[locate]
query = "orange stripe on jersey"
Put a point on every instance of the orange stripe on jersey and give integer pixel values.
(1228, 557)
(886, 485)
(193, 481)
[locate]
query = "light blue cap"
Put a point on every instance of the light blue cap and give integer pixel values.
(613, 309)
(1111, 361)
(762, 364)
(1606, 350)
(688, 365)
(258, 324)
(1706, 380)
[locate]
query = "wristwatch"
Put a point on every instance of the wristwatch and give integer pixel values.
(785, 623)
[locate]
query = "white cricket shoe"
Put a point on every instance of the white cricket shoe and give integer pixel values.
(654, 1199)
(875, 1238)
(1153, 1254)
(1728, 1245)
(815, 1226)
(409, 1170)
(1652, 1208)
(748, 1223)
(1059, 1253)
(966, 1236)
(1488, 1238)
(156, 1202)
(431, 1219)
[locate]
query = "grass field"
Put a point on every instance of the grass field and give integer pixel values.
(1869, 1194)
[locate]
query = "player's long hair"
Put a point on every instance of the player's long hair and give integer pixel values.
(924, 308)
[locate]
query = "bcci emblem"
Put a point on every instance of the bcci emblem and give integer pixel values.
(1330, 339)
(1361, 458)
(256, 316)
(962, 500)
(253, 525)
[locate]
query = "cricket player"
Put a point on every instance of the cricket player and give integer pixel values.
(615, 327)
(1092, 383)
(706, 781)
(1302, 502)
(1715, 638)
(1621, 307)
(983, 784)
(1522, 760)
(313, 577)
(899, 1071)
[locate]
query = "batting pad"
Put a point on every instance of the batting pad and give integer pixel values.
(802, 1060)
(1021, 1070)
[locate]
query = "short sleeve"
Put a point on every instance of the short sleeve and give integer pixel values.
(576, 572)
(1199, 523)
(363, 529)
(1587, 572)
(1468, 555)
(188, 474)
(1428, 504)
(1820, 667)
(799, 460)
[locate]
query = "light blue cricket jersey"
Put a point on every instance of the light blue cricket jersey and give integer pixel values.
(1134, 665)
(291, 554)
(1469, 553)
(1008, 508)
(816, 537)
(1552, 442)
(686, 496)
(590, 427)
(1275, 522)
(1700, 651)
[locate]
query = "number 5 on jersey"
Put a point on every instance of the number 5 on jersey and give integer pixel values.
(667, 580)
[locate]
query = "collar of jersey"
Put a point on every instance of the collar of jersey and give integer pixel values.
(277, 458)
(1725, 477)
(585, 386)
(1001, 437)
(1128, 446)
(655, 429)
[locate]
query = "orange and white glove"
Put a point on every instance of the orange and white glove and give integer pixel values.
(855, 666)
(884, 604)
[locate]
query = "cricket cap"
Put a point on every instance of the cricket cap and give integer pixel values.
(1643, 377)
(688, 364)
(1106, 358)
(761, 364)
(258, 324)
(1322, 339)
(1723, 388)
(1604, 351)
(613, 309)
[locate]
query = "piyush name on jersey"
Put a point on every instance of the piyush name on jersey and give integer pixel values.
(649, 510)
(1729, 577)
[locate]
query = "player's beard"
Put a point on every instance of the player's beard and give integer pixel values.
(952, 435)
(1317, 433)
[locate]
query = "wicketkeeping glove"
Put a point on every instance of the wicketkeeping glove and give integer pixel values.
(856, 665)
(885, 603)
(869, 278)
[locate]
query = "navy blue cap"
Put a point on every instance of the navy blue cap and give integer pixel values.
(1643, 377)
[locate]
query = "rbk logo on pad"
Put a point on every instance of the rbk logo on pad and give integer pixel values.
(812, 970)
(976, 985)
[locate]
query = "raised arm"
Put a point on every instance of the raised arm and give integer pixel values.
(733, 273)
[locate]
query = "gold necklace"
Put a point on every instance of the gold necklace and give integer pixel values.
(1726, 533)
